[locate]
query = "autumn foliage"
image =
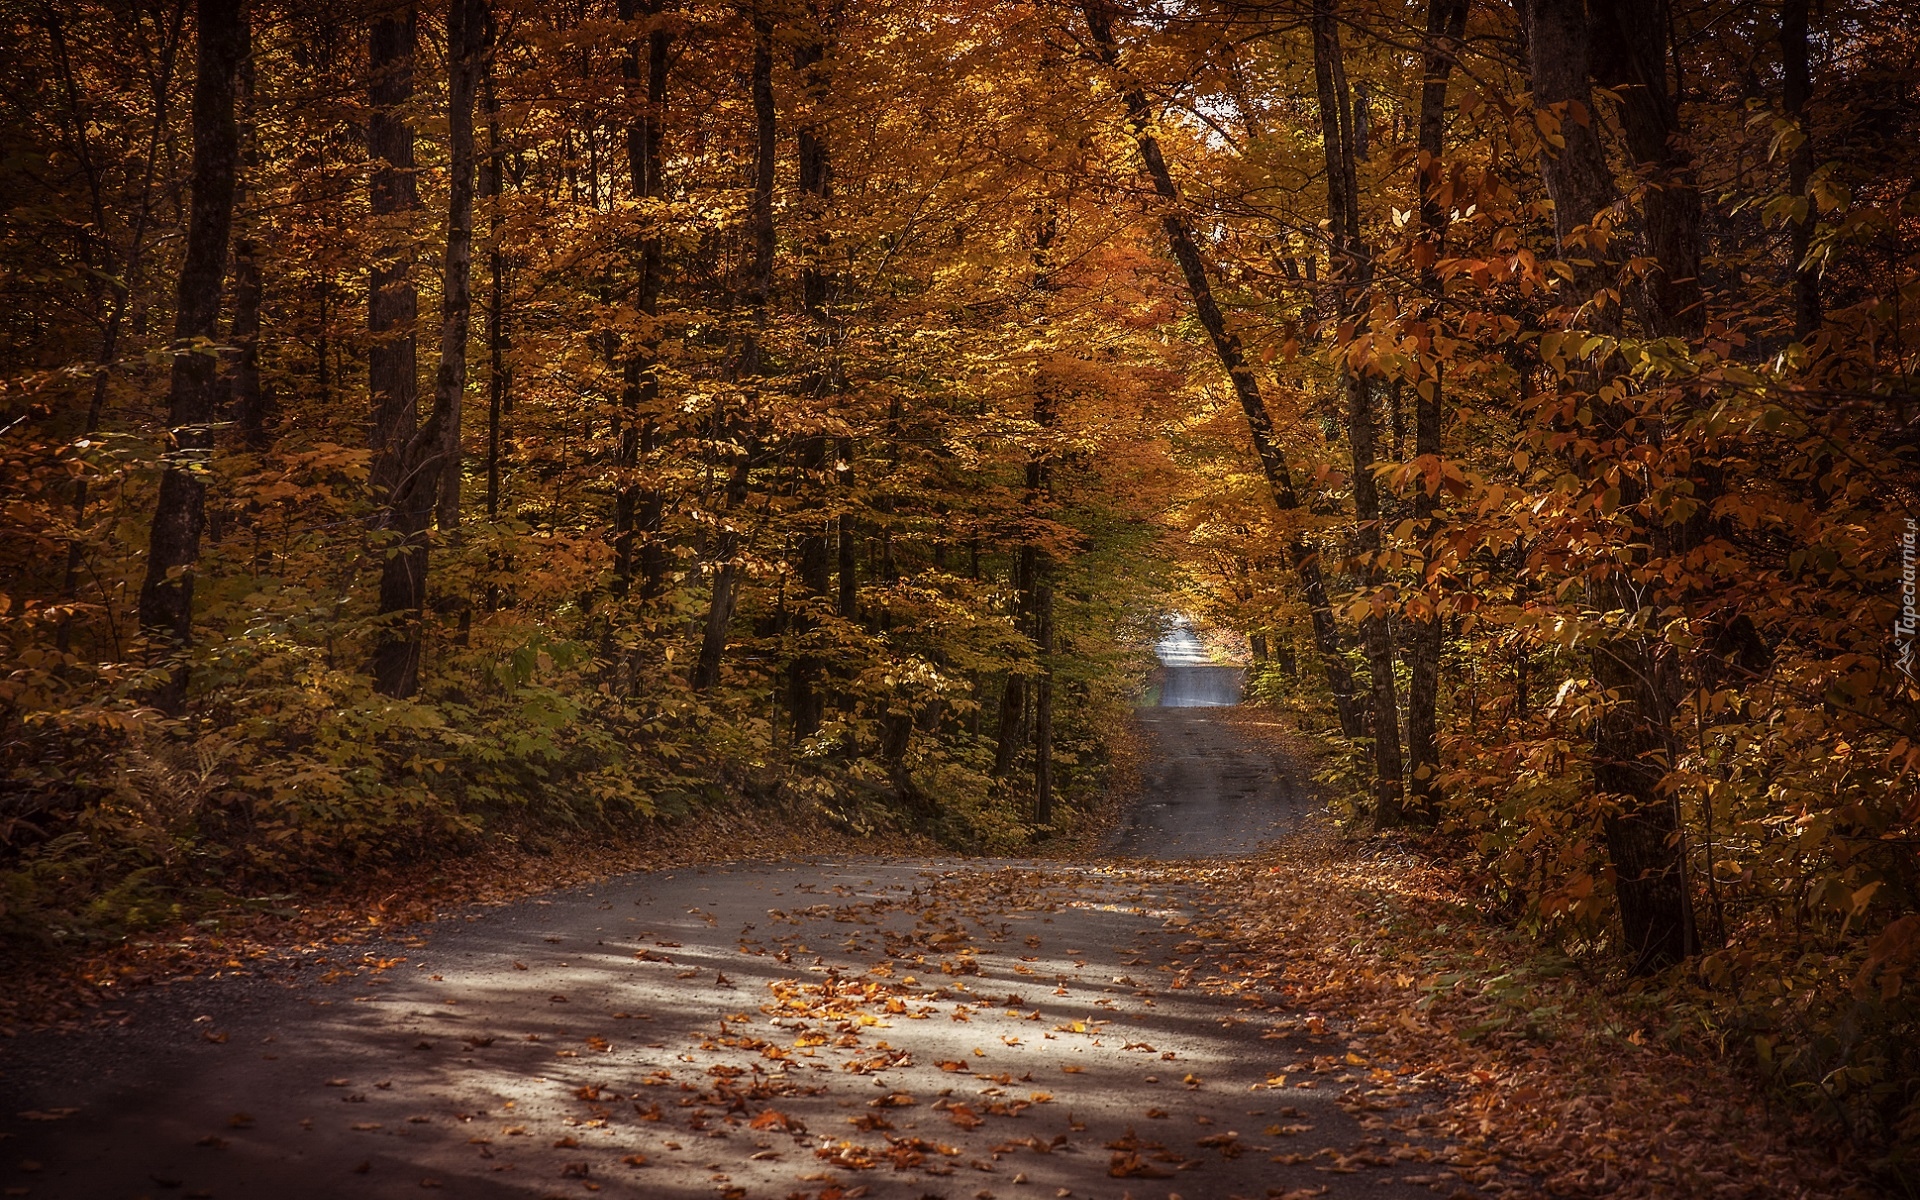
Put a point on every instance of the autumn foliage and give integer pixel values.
(421, 421)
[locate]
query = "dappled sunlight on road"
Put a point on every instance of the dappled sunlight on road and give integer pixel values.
(810, 1029)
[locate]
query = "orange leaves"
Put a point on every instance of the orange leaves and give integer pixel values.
(775, 1119)
(1134, 1158)
(964, 1116)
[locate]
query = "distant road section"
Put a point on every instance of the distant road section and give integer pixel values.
(1189, 678)
(1207, 789)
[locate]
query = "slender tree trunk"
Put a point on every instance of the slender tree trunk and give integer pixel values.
(1010, 735)
(816, 576)
(469, 32)
(403, 459)
(1043, 703)
(251, 404)
(816, 283)
(758, 289)
(499, 382)
(1795, 92)
(1446, 24)
(118, 287)
(1376, 633)
(653, 551)
(1339, 117)
(166, 596)
(849, 537)
(1304, 558)
(638, 508)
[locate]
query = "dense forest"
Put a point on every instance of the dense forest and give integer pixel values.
(422, 422)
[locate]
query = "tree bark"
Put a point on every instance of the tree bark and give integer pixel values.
(469, 32)
(815, 553)
(499, 381)
(1795, 92)
(1339, 116)
(1631, 743)
(1043, 703)
(166, 595)
(757, 287)
(1630, 56)
(251, 402)
(1011, 734)
(1446, 24)
(1304, 557)
(638, 508)
(404, 455)
(849, 536)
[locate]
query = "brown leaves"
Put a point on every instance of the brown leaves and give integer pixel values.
(775, 1119)
(964, 1116)
(1228, 1144)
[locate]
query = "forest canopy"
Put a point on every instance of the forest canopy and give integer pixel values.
(427, 419)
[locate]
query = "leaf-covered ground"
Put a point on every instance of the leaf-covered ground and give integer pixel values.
(67, 987)
(1329, 1017)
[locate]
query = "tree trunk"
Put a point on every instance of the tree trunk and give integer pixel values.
(1011, 735)
(758, 290)
(251, 403)
(1630, 56)
(1377, 634)
(1631, 744)
(403, 460)
(499, 382)
(638, 508)
(1446, 24)
(815, 552)
(1795, 91)
(1304, 557)
(849, 539)
(807, 703)
(166, 596)
(1043, 704)
(1338, 121)
(469, 32)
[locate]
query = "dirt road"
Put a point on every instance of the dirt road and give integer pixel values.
(812, 1030)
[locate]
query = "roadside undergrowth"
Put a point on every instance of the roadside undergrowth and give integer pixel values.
(1557, 1076)
(74, 986)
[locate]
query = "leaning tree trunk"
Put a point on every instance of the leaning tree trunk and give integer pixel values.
(1446, 23)
(1631, 743)
(1304, 557)
(403, 459)
(179, 515)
